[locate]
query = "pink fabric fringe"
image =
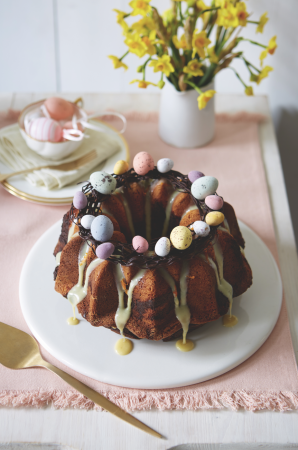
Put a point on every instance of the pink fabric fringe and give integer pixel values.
(174, 400)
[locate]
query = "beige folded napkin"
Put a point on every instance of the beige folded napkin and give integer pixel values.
(15, 154)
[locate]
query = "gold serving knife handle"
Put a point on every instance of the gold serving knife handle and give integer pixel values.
(100, 399)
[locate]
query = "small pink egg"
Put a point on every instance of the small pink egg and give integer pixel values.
(44, 129)
(140, 244)
(80, 200)
(143, 163)
(214, 202)
(105, 250)
(59, 109)
(69, 126)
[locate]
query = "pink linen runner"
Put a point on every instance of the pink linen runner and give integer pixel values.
(267, 380)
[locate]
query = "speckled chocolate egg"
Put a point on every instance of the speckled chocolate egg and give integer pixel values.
(204, 186)
(87, 220)
(163, 247)
(103, 182)
(121, 167)
(164, 165)
(59, 109)
(201, 228)
(140, 244)
(104, 251)
(79, 200)
(194, 175)
(102, 228)
(181, 237)
(214, 202)
(214, 218)
(143, 163)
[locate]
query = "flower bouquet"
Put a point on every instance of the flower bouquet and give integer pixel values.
(190, 43)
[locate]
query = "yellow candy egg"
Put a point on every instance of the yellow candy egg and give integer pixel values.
(181, 237)
(121, 167)
(214, 218)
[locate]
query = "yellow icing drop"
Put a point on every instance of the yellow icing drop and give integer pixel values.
(73, 321)
(123, 346)
(185, 347)
(229, 320)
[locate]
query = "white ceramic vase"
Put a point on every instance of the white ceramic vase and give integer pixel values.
(181, 123)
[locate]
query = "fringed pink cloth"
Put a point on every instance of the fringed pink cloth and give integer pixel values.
(267, 380)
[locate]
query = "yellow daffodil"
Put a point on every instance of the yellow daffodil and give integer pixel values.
(117, 63)
(272, 46)
(204, 98)
(120, 15)
(136, 45)
(249, 90)
(193, 68)
(213, 58)
(143, 26)
(179, 43)
(201, 5)
(140, 7)
(263, 20)
(263, 55)
(264, 73)
(167, 16)
(227, 16)
(199, 42)
(151, 50)
(223, 3)
(162, 64)
(143, 84)
(241, 13)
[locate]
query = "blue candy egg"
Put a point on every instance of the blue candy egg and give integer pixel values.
(103, 182)
(204, 186)
(102, 228)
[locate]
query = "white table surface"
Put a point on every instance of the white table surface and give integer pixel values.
(30, 428)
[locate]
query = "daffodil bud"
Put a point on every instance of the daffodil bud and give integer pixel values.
(140, 69)
(161, 84)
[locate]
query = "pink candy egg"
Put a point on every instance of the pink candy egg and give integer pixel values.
(59, 109)
(140, 244)
(69, 126)
(214, 202)
(105, 250)
(80, 200)
(44, 129)
(142, 163)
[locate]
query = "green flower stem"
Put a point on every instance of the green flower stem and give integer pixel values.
(253, 42)
(123, 56)
(250, 64)
(174, 81)
(238, 76)
(208, 75)
(144, 67)
(253, 21)
(221, 45)
(209, 9)
(190, 83)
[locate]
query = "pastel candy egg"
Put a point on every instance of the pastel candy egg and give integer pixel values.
(140, 244)
(121, 167)
(214, 202)
(87, 220)
(104, 251)
(204, 186)
(103, 182)
(181, 237)
(44, 129)
(142, 163)
(162, 246)
(102, 228)
(59, 109)
(80, 200)
(194, 175)
(214, 218)
(201, 228)
(164, 165)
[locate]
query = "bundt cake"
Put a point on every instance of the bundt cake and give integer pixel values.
(151, 253)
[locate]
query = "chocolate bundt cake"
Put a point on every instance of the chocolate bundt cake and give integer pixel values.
(151, 254)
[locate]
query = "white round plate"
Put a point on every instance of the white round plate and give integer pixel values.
(19, 187)
(90, 350)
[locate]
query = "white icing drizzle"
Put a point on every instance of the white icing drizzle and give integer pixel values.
(191, 208)
(123, 314)
(223, 229)
(168, 212)
(58, 257)
(148, 212)
(227, 225)
(70, 231)
(181, 310)
(128, 213)
(242, 251)
(223, 286)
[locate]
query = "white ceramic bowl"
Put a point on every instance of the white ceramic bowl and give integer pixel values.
(49, 150)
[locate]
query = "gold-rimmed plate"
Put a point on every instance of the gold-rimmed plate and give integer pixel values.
(19, 187)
